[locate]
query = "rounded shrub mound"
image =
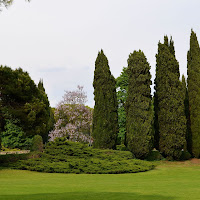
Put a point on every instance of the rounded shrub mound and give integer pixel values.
(63, 156)
(37, 143)
(185, 155)
(154, 155)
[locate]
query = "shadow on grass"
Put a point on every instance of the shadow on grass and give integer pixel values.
(86, 196)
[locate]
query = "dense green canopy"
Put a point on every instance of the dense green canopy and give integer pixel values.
(193, 58)
(21, 99)
(139, 111)
(169, 102)
(105, 119)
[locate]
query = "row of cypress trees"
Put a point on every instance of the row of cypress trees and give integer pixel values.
(169, 122)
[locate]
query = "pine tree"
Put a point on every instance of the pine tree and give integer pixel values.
(169, 102)
(187, 114)
(193, 70)
(139, 111)
(105, 119)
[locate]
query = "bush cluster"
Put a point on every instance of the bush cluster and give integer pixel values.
(63, 156)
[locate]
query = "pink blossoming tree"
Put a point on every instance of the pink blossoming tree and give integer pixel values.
(73, 118)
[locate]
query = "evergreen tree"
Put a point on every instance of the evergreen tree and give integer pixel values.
(22, 100)
(187, 114)
(193, 70)
(46, 116)
(169, 102)
(138, 106)
(122, 90)
(105, 119)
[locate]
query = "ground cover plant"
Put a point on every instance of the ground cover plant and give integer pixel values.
(62, 156)
(169, 181)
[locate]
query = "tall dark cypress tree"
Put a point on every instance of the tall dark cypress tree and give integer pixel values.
(187, 114)
(46, 116)
(193, 70)
(139, 113)
(105, 118)
(169, 102)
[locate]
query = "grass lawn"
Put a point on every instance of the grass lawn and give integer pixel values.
(169, 181)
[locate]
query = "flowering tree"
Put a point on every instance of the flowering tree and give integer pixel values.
(73, 118)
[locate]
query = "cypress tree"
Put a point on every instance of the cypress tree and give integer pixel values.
(46, 115)
(193, 70)
(169, 102)
(105, 119)
(139, 113)
(187, 114)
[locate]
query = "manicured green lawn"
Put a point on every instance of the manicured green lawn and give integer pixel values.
(167, 182)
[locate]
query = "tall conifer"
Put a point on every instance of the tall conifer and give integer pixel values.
(138, 106)
(169, 102)
(187, 114)
(105, 119)
(193, 70)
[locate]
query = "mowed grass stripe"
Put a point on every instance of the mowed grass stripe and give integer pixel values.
(165, 182)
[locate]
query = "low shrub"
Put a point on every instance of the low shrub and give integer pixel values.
(121, 147)
(9, 160)
(37, 143)
(185, 155)
(154, 155)
(64, 156)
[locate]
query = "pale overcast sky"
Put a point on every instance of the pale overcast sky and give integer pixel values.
(58, 41)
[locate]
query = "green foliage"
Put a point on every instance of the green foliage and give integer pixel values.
(105, 117)
(47, 114)
(22, 99)
(185, 155)
(188, 145)
(154, 155)
(14, 137)
(169, 102)
(8, 149)
(37, 143)
(10, 160)
(193, 67)
(121, 147)
(63, 156)
(138, 106)
(122, 91)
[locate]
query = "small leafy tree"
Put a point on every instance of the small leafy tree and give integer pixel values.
(122, 91)
(14, 137)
